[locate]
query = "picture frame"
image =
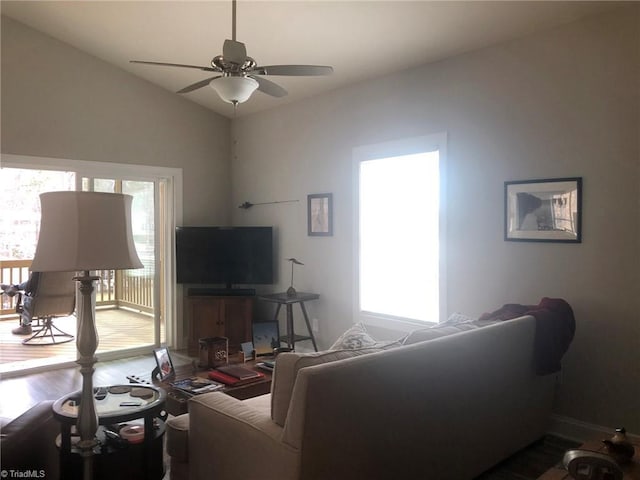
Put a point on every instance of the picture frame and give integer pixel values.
(320, 215)
(247, 350)
(544, 210)
(164, 365)
(266, 337)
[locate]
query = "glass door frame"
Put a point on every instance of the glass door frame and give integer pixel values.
(163, 177)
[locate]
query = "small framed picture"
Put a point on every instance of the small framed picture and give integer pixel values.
(320, 215)
(247, 350)
(548, 210)
(164, 363)
(266, 337)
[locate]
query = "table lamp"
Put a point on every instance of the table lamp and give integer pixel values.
(85, 231)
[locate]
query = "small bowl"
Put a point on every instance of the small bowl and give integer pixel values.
(132, 433)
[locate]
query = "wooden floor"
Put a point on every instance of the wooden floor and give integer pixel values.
(117, 329)
(18, 394)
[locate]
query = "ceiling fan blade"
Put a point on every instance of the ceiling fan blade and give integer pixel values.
(234, 52)
(268, 87)
(293, 70)
(163, 64)
(197, 85)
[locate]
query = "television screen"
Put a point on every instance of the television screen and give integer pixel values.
(224, 255)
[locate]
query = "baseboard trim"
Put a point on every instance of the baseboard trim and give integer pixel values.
(580, 431)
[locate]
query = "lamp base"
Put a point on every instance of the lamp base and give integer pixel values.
(291, 292)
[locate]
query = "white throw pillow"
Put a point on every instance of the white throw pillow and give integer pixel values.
(456, 318)
(354, 338)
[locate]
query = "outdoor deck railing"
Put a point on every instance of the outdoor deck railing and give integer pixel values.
(113, 288)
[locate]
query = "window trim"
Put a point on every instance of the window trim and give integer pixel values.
(393, 148)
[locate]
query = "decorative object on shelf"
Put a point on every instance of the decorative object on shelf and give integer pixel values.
(547, 210)
(588, 465)
(292, 291)
(619, 447)
(85, 231)
(214, 351)
(248, 205)
(320, 215)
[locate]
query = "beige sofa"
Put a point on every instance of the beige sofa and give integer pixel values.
(441, 408)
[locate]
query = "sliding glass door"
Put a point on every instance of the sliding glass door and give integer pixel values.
(136, 310)
(128, 300)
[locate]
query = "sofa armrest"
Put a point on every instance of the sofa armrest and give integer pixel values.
(28, 442)
(229, 439)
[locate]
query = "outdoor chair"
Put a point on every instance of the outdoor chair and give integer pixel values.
(54, 296)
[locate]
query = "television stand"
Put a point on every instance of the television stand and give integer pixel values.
(218, 315)
(221, 292)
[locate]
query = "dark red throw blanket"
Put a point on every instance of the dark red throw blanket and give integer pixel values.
(555, 328)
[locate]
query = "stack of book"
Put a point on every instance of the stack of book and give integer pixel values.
(235, 375)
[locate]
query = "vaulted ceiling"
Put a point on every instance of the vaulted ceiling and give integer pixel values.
(360, 39)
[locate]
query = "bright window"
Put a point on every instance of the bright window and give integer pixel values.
(400, 233)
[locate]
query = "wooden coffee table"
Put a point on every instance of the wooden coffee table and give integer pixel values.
(631, 470)
(177, 401)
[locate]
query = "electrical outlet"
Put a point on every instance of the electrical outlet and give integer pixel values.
(314, 324)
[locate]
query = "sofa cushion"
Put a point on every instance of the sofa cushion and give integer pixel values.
(287, 366)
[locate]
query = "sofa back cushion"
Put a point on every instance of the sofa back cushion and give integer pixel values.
(287, 366)
(438, 331)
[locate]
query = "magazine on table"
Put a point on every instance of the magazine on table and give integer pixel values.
(197, 385)
(267, 365)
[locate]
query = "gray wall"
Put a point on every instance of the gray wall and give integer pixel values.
(559, 103)
(60, 102)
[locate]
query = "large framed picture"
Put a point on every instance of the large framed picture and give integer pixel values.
(320, 215)
(548, 210)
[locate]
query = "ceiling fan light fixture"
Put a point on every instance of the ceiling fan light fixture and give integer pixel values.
(234, 89)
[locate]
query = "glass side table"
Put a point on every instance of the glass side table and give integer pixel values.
(117, 406)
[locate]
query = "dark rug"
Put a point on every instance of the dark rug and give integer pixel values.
(531, 462)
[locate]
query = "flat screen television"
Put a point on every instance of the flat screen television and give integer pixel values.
(224, 255)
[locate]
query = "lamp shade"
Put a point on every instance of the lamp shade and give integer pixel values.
(234, 89)
(85, 231)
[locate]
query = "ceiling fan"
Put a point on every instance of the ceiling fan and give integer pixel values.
(240, 75)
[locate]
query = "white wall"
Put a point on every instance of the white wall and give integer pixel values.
(559, 103)
(60, 102)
